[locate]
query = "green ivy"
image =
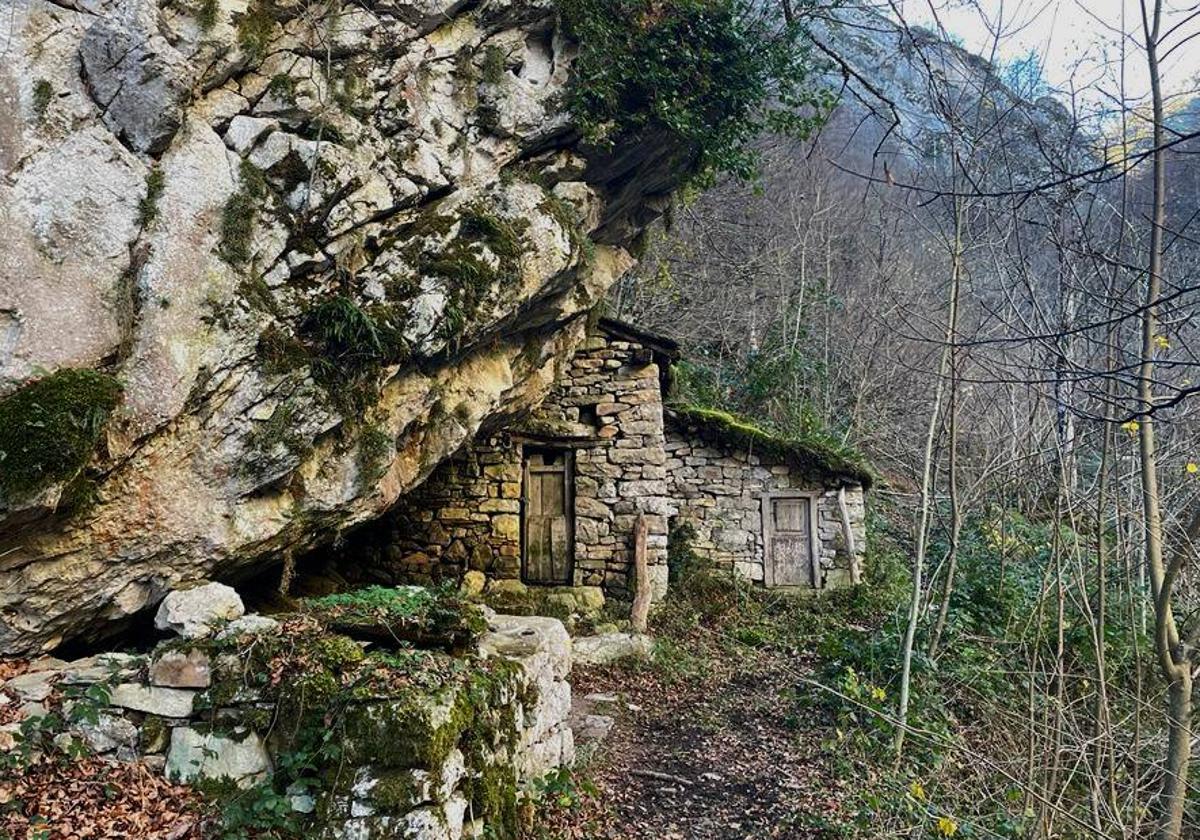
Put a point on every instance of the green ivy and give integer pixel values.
(714, 74)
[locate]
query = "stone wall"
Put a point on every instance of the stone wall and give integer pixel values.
(466, 516)
(718, 491)
(439, 762)
(607, 411)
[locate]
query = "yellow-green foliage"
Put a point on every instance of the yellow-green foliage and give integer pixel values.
(49, 428)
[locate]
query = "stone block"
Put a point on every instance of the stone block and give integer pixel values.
(610, 647)
(194, 754)
(585, 506)
(153, 700)
(250, 625)
(198, 612)
(180, 669)
(510, 505)
(506, 526)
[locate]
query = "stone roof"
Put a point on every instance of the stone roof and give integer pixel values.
(816, 457)
(664, 351)
(661, 345)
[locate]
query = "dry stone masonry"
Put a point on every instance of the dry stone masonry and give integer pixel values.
(604, 418)
(781, 513)
(723, 490)
(438, 764)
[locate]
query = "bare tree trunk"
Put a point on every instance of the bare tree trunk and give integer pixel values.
(1172, 659)
(922, 534)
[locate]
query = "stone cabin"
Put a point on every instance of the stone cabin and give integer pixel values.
(556, 499)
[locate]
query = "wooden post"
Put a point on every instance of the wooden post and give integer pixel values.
(640, 614)
(848, 537)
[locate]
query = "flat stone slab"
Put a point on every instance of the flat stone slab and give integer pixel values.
(103, 667)
(167, 702)
(33, 686)
(195, 754)
(610, 647)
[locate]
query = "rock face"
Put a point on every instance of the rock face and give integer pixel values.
(318, 252)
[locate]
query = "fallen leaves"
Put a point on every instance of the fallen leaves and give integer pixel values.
(96, 799)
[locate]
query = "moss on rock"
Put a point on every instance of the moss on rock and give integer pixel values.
(49, 429)
(430, 617)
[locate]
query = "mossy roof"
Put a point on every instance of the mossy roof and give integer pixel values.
(814, 457)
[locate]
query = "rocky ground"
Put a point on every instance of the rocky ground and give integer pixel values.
(709, 740)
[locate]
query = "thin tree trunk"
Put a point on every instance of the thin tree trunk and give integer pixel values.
(939, 626)
(1172, 659)
(914, 606)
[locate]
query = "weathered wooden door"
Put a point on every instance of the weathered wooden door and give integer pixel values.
(548, 532)
(788, 541)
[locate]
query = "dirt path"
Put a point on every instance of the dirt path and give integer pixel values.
(730, 755)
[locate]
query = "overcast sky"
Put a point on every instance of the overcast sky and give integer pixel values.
(1076, 40)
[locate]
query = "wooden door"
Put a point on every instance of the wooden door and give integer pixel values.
(548, 535)
(789, 541)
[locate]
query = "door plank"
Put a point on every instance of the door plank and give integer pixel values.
(791, 542)
(547, 523)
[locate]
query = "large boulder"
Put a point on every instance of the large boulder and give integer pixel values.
(317, 255)
(199, 611)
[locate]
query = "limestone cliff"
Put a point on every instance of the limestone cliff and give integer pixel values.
(264, 264)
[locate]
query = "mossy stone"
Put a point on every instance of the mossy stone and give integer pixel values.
(49, 429)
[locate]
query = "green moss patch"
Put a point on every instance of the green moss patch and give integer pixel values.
(240, 214)
(49, 429)
(477, 264)
(812, 456)
(429, 617)
(148, 205)
(255, 29)
(43, 93)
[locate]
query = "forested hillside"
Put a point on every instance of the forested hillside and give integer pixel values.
(952, 277)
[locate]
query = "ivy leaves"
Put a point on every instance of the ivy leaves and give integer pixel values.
(714, 74)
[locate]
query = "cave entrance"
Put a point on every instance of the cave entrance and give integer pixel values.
(547, 516)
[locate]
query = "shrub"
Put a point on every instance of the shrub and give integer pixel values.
(713, 74)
